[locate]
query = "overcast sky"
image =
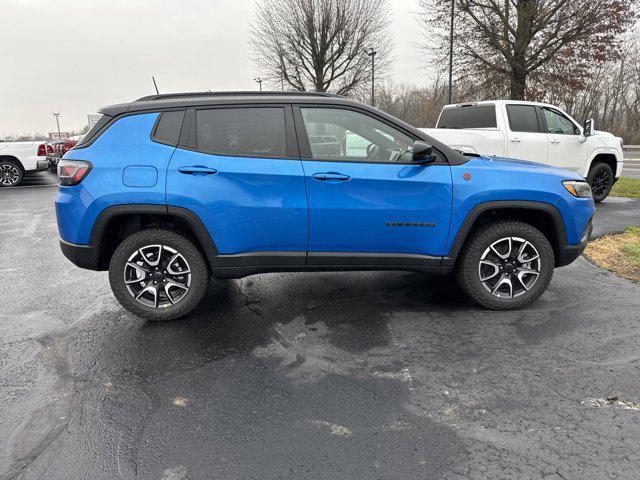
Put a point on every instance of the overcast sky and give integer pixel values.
(75, 56)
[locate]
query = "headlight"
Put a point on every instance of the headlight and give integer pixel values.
(577, 189)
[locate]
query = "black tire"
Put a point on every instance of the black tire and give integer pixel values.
(11, 173)
(469, 268)
(601, 179)
(172, 243)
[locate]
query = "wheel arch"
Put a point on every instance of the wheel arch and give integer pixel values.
(606, 158)
(15, 160)
(117, 222)
(544, 216)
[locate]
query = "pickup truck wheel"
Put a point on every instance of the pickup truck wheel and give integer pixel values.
(158, 274)
(601, 180)
(506, 265)
(10, 174)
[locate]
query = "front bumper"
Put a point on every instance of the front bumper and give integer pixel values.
(568, 253)
(83, 256)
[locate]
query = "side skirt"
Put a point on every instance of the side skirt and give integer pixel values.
(243, 265)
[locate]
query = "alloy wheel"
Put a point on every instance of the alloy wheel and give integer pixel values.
(157, 276)
(510, 267)
(600, 183)
(9, 174)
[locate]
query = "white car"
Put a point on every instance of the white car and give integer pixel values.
(533, 131)
(18, 159)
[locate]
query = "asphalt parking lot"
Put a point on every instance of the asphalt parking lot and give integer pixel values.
(350, 375)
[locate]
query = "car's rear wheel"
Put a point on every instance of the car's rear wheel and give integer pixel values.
(506, 265)
(601, 180)
(10, 174)
(158, 274)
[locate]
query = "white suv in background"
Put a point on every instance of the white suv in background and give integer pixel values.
(18, 159)
(533, 131)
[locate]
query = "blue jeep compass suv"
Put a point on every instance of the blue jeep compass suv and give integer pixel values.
(169, 189)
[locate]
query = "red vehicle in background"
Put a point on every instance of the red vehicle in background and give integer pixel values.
(56, 150)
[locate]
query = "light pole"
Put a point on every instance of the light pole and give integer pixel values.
(57, 115)
(451, 53)
(258, 80)
(372, 53)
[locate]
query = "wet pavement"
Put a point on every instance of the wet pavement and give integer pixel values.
(328, 375)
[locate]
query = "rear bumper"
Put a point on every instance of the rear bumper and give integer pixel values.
(83, 256)
(42, 165)
(568, 253)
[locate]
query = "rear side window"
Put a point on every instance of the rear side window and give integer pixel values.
(522, 118)
(168, 127)
(475, 116)
(93, 132)
(252, 132)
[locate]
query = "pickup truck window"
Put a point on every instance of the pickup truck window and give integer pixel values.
(559, 124)
(473, 116)
(523, 118)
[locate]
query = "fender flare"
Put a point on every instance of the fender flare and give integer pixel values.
(474, 214)
(186, 215)
(602, 151)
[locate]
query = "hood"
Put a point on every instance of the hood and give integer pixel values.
(600, 133)
(525, 165)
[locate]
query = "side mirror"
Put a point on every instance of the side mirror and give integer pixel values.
(423, 153)
(588, 128)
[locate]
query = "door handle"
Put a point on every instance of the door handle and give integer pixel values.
(555, 140)
(331, 176)
(197, 170)
(515, 140)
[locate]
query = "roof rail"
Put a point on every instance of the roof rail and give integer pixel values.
(166, 96)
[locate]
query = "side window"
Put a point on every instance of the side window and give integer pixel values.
(522, 118)
(251, 132)
(168, 127)
(340, 134)
(472, 116)
(559, 124)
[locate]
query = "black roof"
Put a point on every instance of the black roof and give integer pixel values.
(194, 99)
(242, 93)
(156, 103)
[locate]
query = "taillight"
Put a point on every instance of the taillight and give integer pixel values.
(42, 150)
(49, 149)
(72, 172)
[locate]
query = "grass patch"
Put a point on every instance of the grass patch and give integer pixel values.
(626, 187)
(618, 253)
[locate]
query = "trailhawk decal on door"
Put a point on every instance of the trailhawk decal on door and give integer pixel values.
(410, 224)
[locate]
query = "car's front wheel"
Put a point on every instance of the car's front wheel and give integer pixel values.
(158, 274)
(10, 174)
(506, 265)
(601, 180)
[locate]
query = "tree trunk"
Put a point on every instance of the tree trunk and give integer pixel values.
(518, 82)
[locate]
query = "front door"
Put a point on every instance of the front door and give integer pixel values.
(238, 169)
(364, 194)
(526, 137)
(567, 146)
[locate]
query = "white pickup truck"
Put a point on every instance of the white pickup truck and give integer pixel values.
(538, 132)
(18, 159)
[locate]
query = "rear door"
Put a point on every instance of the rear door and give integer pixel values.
(526, 137)
(365, 195)
(238, 169)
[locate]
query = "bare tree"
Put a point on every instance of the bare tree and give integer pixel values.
(530, 45)
(419, 106)
(320, 45)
